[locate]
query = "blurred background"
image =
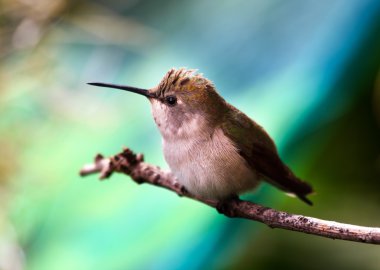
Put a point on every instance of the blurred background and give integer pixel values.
(308, 71)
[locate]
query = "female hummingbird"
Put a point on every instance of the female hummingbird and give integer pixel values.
(214, 150)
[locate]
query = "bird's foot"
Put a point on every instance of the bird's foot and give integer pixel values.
(181, 190)
(225, 206)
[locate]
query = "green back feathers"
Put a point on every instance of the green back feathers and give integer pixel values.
(260, 152)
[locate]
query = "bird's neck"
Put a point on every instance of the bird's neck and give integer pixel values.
(195, 127)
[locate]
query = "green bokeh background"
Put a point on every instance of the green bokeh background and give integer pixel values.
(308, 71)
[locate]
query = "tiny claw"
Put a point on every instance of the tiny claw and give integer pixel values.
(184, 191)
(221, 207)
(224, 206)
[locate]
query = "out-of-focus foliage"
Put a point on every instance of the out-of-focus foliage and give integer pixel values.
(308, 71)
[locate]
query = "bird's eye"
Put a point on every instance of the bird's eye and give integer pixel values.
(171, 100)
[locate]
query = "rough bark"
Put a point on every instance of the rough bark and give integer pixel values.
(133, 165)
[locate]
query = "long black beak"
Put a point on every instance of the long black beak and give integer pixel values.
(136, 90)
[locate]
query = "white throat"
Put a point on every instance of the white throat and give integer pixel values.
(180, 126)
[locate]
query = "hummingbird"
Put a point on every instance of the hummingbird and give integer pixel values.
(213, 149)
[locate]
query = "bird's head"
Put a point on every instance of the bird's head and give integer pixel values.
(183, 103)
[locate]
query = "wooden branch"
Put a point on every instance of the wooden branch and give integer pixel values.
(133, 165)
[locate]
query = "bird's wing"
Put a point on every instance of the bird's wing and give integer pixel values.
(260, 152)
